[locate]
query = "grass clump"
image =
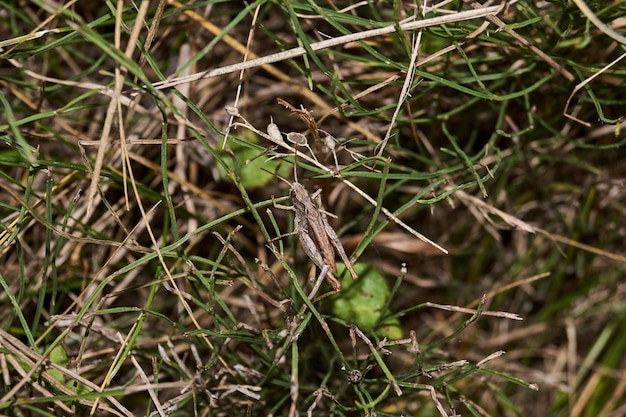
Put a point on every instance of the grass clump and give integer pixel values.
(467, 155)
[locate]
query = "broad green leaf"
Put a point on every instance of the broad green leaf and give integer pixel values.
(360, 301)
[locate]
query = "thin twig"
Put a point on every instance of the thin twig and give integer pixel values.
(404, 94)
(458, 309)
(330, 43)
(522, 41)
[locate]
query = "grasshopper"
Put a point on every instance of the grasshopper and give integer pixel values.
(318, 238)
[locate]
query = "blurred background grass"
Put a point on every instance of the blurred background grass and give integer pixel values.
(138, 293)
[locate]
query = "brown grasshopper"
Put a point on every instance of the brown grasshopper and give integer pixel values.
(318, 238)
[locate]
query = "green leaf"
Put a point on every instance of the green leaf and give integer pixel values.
(253, 167)
(58, 356)
(360, 301)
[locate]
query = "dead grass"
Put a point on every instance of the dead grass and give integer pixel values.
(473, 163)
